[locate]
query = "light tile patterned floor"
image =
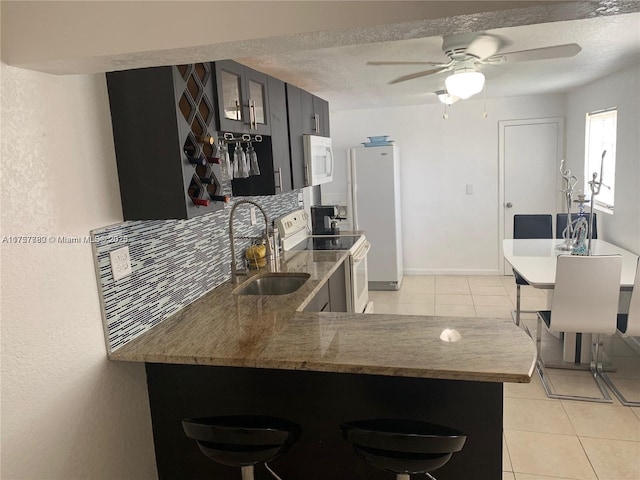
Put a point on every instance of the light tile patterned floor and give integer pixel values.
(544, 439)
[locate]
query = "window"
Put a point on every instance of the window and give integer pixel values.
(600, 156)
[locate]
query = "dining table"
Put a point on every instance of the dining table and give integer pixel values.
(535, 260)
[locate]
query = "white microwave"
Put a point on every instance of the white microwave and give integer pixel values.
(318, 160)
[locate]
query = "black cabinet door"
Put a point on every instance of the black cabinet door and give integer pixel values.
(321, 110)
(296, 148)
(315, 114)
(309, 124)
(272, 151)
(279, 135)
(161, 117)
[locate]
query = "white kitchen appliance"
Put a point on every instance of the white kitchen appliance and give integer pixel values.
(374, 187)
(318, 160)
(295, 235)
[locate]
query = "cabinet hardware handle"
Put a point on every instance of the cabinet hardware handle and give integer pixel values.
(238, 117)
(306, 175)
(254, 119)
(316, 119)
(280, 178)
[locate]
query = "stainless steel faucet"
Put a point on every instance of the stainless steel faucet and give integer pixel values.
(234, 266)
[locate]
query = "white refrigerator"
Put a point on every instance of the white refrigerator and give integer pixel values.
(374, 191)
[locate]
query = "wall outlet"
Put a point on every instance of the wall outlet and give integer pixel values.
(253, 215)
(120, 263)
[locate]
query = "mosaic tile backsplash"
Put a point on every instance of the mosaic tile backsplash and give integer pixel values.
(174, 262)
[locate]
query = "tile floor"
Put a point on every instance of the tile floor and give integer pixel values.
(544, 439)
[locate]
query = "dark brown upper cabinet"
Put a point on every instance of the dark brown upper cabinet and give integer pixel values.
(243, 99)
(308, 115)
(315, 114)
(273, 151)
(163, 121)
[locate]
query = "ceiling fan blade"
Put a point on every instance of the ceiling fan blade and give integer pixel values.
(418, 75)
(406, 63)
(546, 53)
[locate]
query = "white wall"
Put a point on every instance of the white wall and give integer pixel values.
(445, 231)
(621, 90)
(67, 412)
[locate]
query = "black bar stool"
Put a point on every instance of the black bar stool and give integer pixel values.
(403, 447)
(242, 440)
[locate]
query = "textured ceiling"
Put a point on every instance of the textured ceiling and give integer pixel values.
(340, 74)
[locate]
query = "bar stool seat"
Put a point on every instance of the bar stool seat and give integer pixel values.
(403, 447)
(242, 440)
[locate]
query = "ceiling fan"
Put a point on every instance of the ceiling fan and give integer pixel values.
(468, 52)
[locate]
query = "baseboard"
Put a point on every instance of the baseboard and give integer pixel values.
(450, 271)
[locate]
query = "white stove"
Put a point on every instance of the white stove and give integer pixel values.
(296, 235)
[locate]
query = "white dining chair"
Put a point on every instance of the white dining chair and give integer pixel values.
(628, 326)
(585, 301)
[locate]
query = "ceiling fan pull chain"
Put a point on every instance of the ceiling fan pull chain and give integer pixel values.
(484, 98)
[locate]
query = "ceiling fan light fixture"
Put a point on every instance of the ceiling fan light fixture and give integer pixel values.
(446, 98)
(464, 83)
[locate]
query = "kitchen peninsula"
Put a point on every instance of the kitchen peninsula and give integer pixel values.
(229, 354)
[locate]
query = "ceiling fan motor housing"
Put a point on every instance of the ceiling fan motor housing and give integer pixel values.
(467, 46)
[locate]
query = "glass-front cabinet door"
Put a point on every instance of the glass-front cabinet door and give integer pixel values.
(258, 102)
(243, 100)
(231, 109)
(231, 96)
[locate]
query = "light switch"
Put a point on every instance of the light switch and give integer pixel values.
(469, 189)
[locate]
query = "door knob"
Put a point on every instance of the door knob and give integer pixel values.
(508, 204)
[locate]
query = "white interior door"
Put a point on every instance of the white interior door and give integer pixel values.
(530, 155)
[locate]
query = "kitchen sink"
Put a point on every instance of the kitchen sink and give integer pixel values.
(272, 284)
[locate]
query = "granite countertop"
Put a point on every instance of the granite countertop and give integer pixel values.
(224, 329)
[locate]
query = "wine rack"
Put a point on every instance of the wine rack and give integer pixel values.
(196, 107)
(164, 125)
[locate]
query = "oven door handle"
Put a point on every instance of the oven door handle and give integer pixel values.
(362, 252)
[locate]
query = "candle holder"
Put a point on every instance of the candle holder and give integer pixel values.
(570, 183)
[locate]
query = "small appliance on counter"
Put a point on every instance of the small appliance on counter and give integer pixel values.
(324, 219)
